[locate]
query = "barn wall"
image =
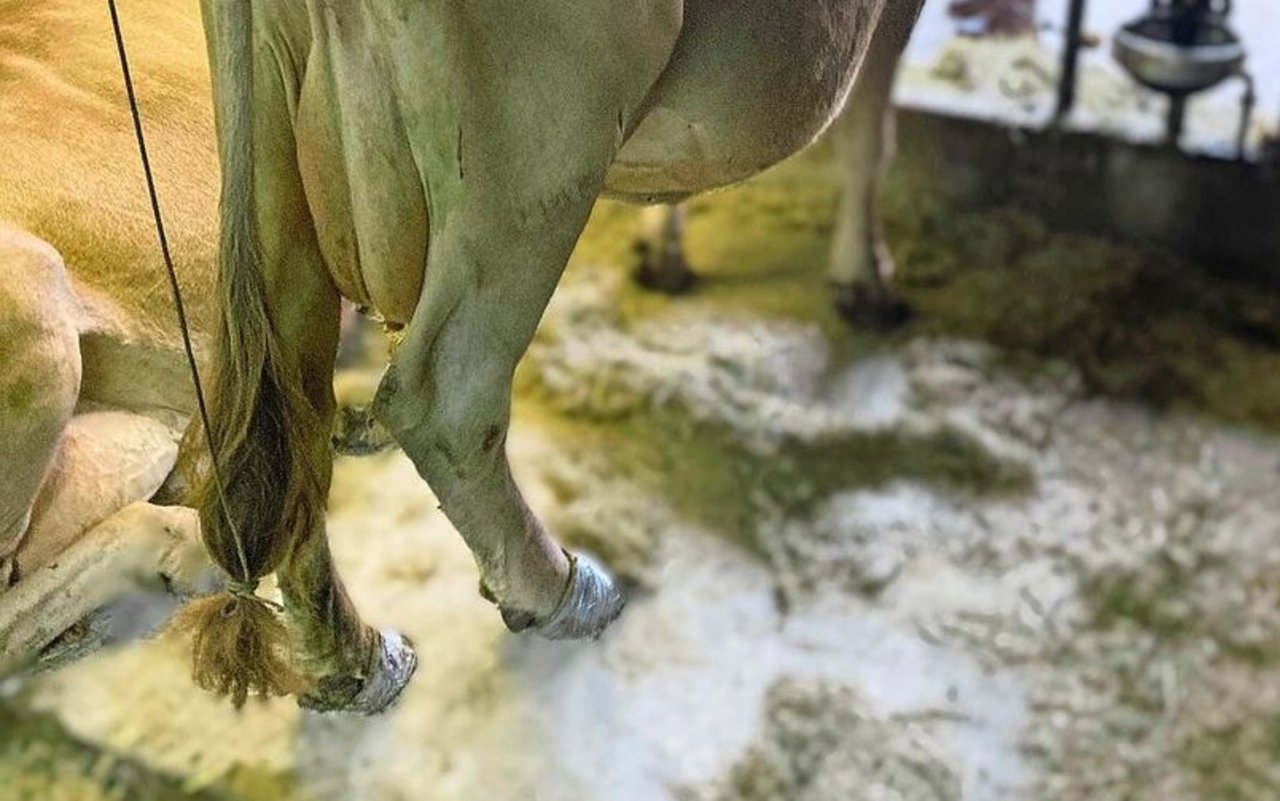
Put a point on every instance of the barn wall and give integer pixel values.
(1223, 215)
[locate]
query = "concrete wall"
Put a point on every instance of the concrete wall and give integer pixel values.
(1222, 215)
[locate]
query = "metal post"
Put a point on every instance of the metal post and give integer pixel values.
(1248, 102)
(1176, 121)
(1070, 60)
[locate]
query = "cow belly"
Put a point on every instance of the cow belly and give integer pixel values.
(750, 83)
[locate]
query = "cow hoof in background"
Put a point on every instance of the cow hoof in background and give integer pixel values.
(396, 662)
(871, 307)
(667, 273)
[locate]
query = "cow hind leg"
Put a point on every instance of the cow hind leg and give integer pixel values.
(660, 251)
(504, 219)
(39, 378)
(353, 666)
(861, 263)
(447, 399)
(272, 404)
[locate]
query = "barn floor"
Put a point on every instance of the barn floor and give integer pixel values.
(1024, 548)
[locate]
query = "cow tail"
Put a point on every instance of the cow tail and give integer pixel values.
(261, 489)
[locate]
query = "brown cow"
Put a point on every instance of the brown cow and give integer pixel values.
(436, 163)
(861, 264)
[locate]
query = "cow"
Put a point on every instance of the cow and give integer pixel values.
(437, 162)
(76, 530)
(861, 264)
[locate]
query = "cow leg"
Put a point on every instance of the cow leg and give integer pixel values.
(861, 264)
(447, 399)
(127, 553)
(82, 553)
(333, 643)
(39, 378)
(512, 176)
(347, 660)
(660, 249)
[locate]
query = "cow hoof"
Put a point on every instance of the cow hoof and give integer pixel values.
(668, 276)
(395, 665)
(591, 602)
(356, 432)
(875, 309)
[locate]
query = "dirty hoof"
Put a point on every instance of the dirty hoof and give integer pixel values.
(865, 307)
(356, 432)
(590, 604)
(395, 665)
(669, 275)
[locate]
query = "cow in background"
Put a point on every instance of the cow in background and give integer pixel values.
(861, 265)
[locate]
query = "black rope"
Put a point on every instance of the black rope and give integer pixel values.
(176, 291)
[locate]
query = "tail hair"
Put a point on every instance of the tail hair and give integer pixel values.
(261, 486)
